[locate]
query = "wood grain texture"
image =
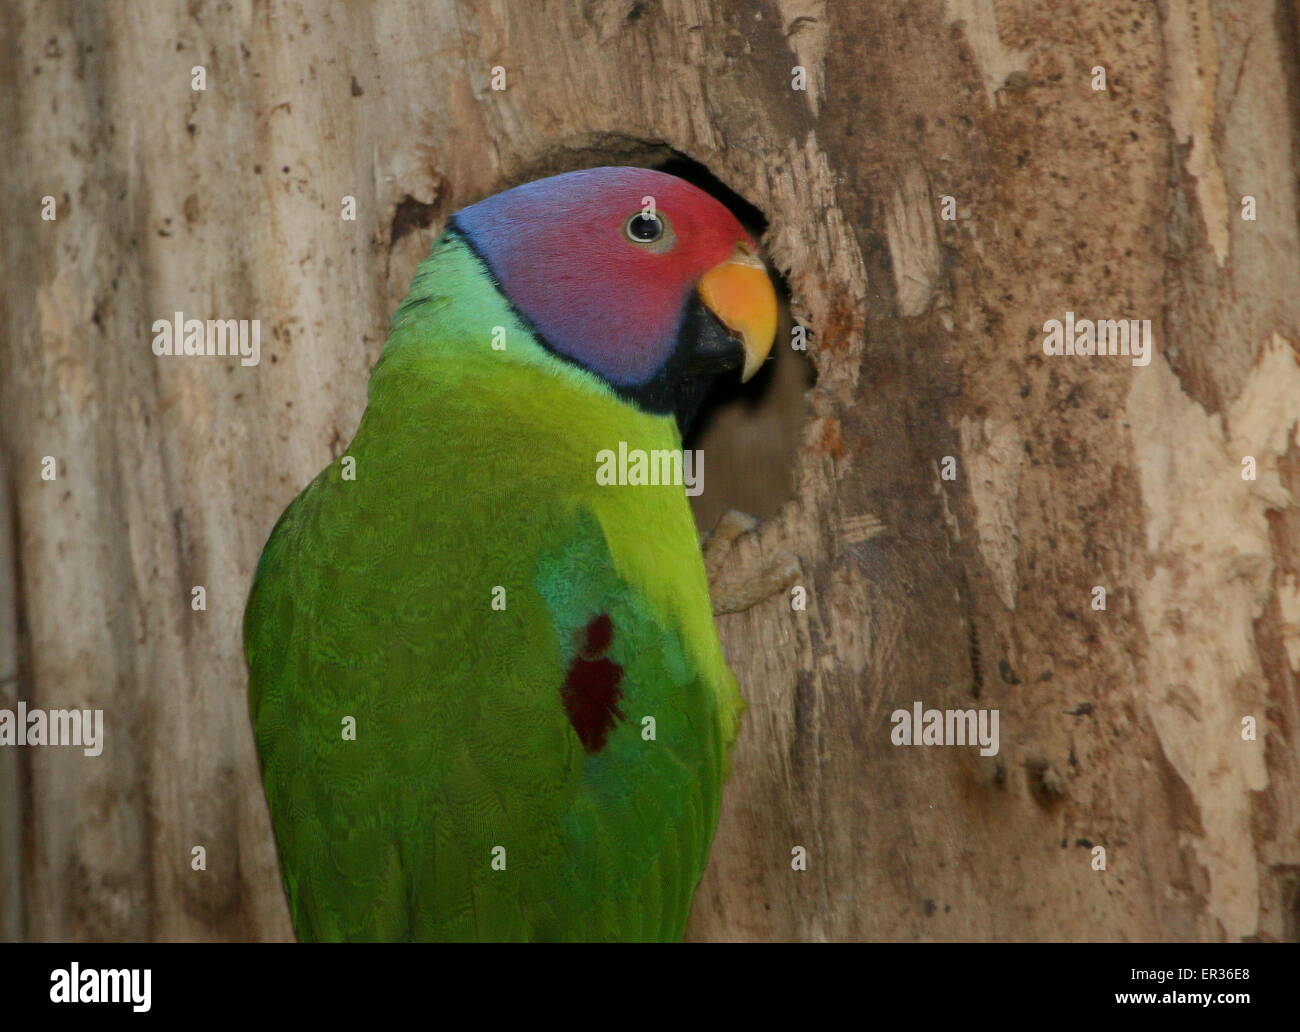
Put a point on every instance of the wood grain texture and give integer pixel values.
(1120, 728)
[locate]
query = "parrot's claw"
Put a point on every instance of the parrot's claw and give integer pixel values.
(735, 594)
(717, 543)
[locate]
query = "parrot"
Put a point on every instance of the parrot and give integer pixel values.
(486, 689)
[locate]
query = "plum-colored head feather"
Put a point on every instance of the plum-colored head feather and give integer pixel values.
(561, 254)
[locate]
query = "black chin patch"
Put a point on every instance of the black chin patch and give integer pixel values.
(705, 349)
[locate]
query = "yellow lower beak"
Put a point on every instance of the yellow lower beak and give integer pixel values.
(739, 292)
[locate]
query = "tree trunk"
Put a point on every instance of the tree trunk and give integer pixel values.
(955, 494)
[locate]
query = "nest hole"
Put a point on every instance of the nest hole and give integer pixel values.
(749, 433)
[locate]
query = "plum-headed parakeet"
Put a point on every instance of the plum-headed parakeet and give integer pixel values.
(486, 687)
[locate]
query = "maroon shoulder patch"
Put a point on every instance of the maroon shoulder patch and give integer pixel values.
(590, 690)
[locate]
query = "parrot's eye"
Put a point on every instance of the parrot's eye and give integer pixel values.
(643, 228)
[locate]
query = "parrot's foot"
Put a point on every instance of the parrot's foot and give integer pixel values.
(735, 594)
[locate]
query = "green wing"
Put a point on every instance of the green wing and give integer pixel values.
(466, 805)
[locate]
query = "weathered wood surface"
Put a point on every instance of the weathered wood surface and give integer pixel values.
(1119, 728)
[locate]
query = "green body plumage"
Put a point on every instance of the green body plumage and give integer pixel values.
(475, 469)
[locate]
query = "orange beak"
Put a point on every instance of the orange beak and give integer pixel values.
(739, 292)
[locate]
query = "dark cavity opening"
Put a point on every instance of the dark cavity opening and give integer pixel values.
(749, 433)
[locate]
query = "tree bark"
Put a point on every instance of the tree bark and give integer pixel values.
(1120, 728)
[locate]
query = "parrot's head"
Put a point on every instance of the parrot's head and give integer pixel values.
(639, 277)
